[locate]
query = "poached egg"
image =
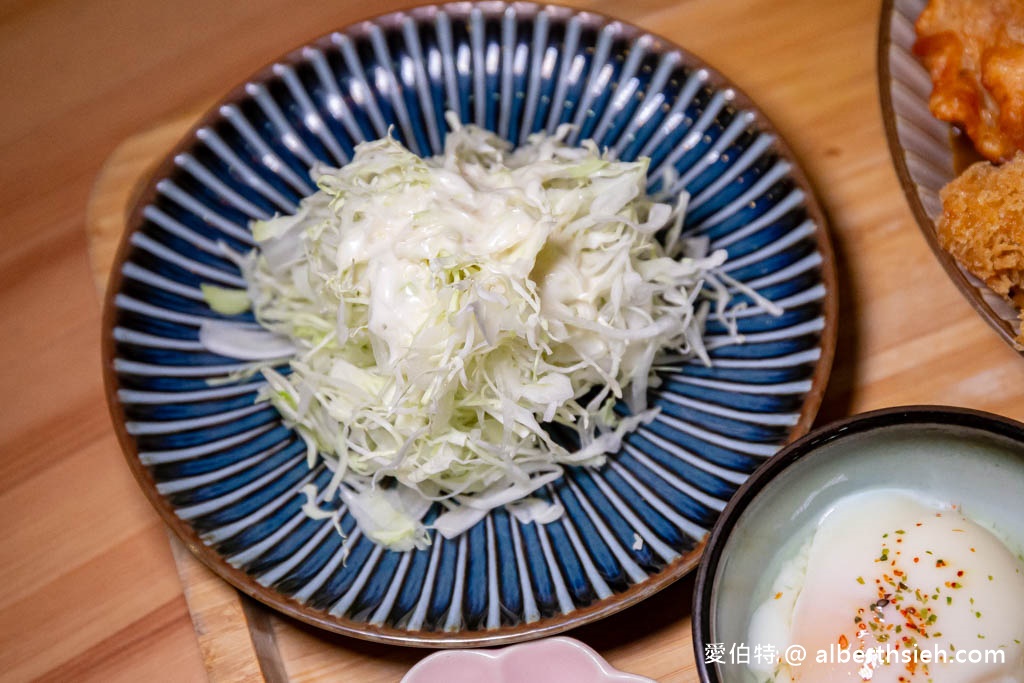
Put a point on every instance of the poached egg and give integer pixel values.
(900, 580)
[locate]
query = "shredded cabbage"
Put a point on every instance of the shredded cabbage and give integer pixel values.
(225, 300)
(447, 313)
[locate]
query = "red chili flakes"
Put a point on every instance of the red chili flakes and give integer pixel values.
(843, 642)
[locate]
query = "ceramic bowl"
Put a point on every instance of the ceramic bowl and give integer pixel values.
(225, 473)
(970, 458)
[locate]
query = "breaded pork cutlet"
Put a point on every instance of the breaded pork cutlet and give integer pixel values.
(982, 226)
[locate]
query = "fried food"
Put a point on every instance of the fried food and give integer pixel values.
(974, 50)
(982, 226)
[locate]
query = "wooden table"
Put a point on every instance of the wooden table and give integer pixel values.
(88, 585)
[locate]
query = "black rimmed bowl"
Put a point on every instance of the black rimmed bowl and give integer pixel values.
(972, 458)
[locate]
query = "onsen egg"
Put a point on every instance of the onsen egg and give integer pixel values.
(890, 589)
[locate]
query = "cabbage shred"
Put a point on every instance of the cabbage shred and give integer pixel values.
(445, 312)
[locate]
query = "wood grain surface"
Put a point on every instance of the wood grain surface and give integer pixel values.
(96, 91)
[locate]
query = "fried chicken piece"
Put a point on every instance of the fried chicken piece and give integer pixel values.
(974, 50)
(982, 226)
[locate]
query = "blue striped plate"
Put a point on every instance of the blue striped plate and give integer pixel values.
(225, 473)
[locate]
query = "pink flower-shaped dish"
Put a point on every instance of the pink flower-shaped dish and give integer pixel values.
(551, 660)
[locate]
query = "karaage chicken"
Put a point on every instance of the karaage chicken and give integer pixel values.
(974, 50)
(982, 226)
